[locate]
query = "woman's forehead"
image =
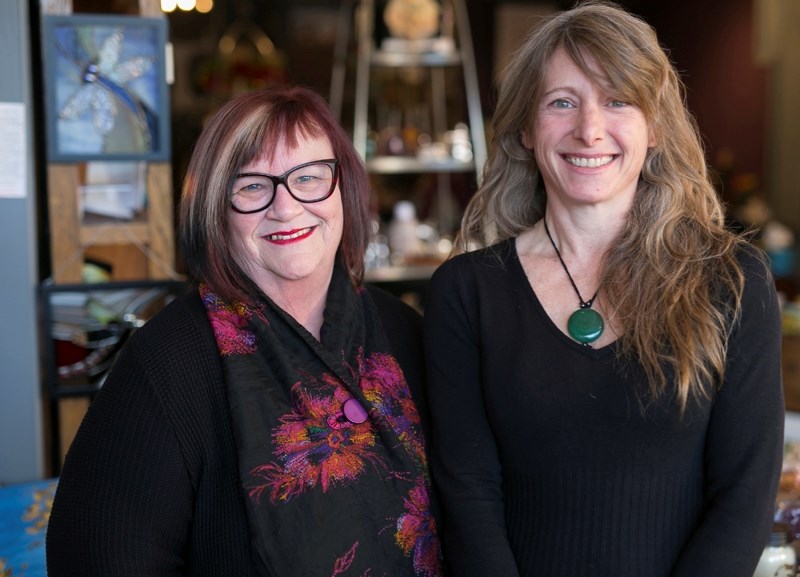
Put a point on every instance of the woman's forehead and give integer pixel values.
(285, 151)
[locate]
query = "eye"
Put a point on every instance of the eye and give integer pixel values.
(309, 178)
(562, 103)
(617, 104)
(250, 185)
(304, 178)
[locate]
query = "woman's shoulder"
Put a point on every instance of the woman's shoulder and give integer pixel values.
(179, 335)
(752, 259)
(756, 271)
(394, 312)
(174, 356)
(759, 281)
(179, 318)
(481, 262)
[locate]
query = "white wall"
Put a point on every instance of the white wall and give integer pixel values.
(21, 446)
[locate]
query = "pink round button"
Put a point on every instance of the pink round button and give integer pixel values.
(354, 412)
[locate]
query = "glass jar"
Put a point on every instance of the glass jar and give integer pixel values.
(779, 558)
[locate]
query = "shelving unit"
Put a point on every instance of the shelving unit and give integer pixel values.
(435, 59)
(87, 324)
(141, 254)
(72, 236)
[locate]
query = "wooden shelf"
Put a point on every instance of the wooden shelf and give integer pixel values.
(401, 59)
(407, 273)
(72, 234)
(413, 164)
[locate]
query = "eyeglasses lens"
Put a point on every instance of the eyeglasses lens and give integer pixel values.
(310, 182)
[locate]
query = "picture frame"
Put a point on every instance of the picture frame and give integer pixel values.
(106, 95)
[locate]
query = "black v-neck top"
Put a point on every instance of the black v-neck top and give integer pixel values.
(548, 464)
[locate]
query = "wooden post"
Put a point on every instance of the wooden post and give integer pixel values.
(160, 221)
(65, 227)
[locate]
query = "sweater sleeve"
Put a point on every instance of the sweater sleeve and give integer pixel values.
(744, 443)
(123, 506)
(464, 457)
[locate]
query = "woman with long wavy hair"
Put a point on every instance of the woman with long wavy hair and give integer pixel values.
(604, 357)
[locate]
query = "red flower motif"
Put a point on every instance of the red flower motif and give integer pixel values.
(315, 449)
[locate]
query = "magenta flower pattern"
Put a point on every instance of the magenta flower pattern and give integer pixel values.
(230, 324)
(384, 385)
(316, 445)
(416, 532)
(315, 448)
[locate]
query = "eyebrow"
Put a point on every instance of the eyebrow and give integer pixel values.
(550, 92)
(321, 160)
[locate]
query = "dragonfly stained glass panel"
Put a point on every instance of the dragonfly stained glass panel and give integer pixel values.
(106, 89)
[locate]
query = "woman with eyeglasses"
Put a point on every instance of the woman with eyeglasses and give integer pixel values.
(270, 421)
(604, 382)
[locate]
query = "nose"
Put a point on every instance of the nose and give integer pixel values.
(284, 206)
(590, 125)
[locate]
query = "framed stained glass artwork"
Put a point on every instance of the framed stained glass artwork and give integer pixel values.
(106, 88)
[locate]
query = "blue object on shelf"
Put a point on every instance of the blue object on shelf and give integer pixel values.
(25, 511)
(782, 262)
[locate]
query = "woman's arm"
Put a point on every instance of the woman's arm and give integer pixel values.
(124, 501)
(744, 444)
(465, 461)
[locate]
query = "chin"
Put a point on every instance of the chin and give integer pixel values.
(296, 271)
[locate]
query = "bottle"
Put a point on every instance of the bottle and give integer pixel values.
(779, 558)
(403, 239)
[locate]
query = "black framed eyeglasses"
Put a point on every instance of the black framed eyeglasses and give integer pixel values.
(309, 182)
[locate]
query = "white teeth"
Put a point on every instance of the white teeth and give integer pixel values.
(584, 162)
(297, 234)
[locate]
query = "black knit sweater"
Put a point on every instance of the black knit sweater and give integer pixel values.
(150, 484)
(551, 462)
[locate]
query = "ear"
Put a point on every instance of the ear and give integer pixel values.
(526, 138)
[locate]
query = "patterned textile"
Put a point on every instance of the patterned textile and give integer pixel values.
(24, 513)
(331, 452)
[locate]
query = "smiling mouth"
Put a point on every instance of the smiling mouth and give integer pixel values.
(583, 162)
(289, 236)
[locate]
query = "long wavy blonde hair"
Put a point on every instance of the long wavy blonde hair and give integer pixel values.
(671, 276)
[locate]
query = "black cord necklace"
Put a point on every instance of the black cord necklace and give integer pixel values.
(585, 325)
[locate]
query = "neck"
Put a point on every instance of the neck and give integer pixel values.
(580, 248)
(585, 302)
(303, 300)
(582, 235)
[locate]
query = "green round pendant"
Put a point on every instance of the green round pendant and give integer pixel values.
(585, 325)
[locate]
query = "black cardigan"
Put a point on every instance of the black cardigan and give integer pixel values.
(150, 484)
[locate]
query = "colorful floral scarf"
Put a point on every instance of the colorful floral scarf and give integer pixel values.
(331, 452)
